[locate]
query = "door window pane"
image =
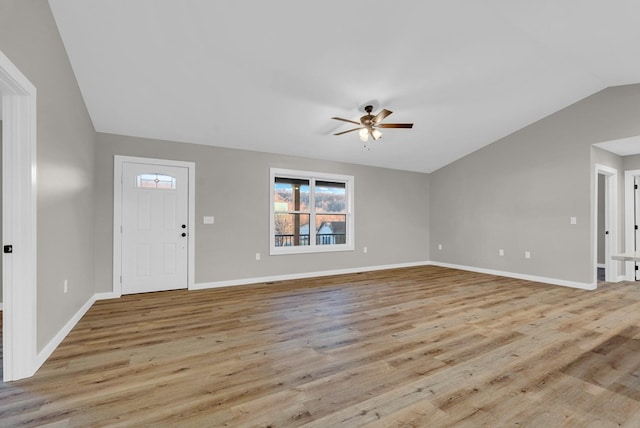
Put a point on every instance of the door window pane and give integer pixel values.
(156, 181)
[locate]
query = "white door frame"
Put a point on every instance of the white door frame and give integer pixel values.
(117, 216)
(629, 221)
(19, 286)
(610, 221)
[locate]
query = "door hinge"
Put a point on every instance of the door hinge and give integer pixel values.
(636, 227)
(637, 267)
(635, 186)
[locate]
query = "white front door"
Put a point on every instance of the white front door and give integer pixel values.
(155, 205)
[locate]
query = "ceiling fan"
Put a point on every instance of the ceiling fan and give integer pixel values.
(369, 124)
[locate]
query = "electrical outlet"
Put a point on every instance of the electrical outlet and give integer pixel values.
(527, 254)
(208, 219)
(66, 285)
(439, 246)
(258, 256)
(364, 250)
(573, 220)
(501, 252)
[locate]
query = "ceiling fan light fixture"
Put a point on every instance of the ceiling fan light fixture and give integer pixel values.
(369, 124)
(364, 134)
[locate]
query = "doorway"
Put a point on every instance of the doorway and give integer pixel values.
(153, 223)
(601, 235)
(606, 224)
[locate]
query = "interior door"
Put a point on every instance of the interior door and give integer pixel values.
(155, 235)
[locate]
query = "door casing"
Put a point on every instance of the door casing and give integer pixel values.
(611, 222)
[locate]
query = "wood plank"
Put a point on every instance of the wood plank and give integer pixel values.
(421, 346)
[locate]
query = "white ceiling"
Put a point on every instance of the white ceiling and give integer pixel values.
(623, 147)
(269, 75)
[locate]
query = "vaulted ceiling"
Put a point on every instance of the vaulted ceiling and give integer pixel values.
(269, 75)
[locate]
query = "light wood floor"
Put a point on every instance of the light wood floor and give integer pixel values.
(416, 347)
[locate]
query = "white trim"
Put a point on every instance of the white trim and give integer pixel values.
(534, 278)
(19, 281)
(601, 266)
(59, 337)
(629, 221)
(106, 296)
(256, 280)
(611, 222)
(118, 161)
(349, 181)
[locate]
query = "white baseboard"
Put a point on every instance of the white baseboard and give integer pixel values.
(257, 280)
(553, 281)
(107, 295)
(58, 338)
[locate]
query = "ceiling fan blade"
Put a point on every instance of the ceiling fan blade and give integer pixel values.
(395, 125)
(350, 130)
(380, 116)
(347, 120)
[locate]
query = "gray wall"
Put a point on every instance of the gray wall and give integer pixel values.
(520, 192)
(631, 162)
(65, 151)
(391, 211)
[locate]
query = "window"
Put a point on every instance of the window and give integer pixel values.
(310, 212)
(156, 181)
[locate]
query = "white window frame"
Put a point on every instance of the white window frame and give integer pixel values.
(348, 180)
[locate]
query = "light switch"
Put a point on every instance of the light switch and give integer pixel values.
(574, 220)
(208, 219)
